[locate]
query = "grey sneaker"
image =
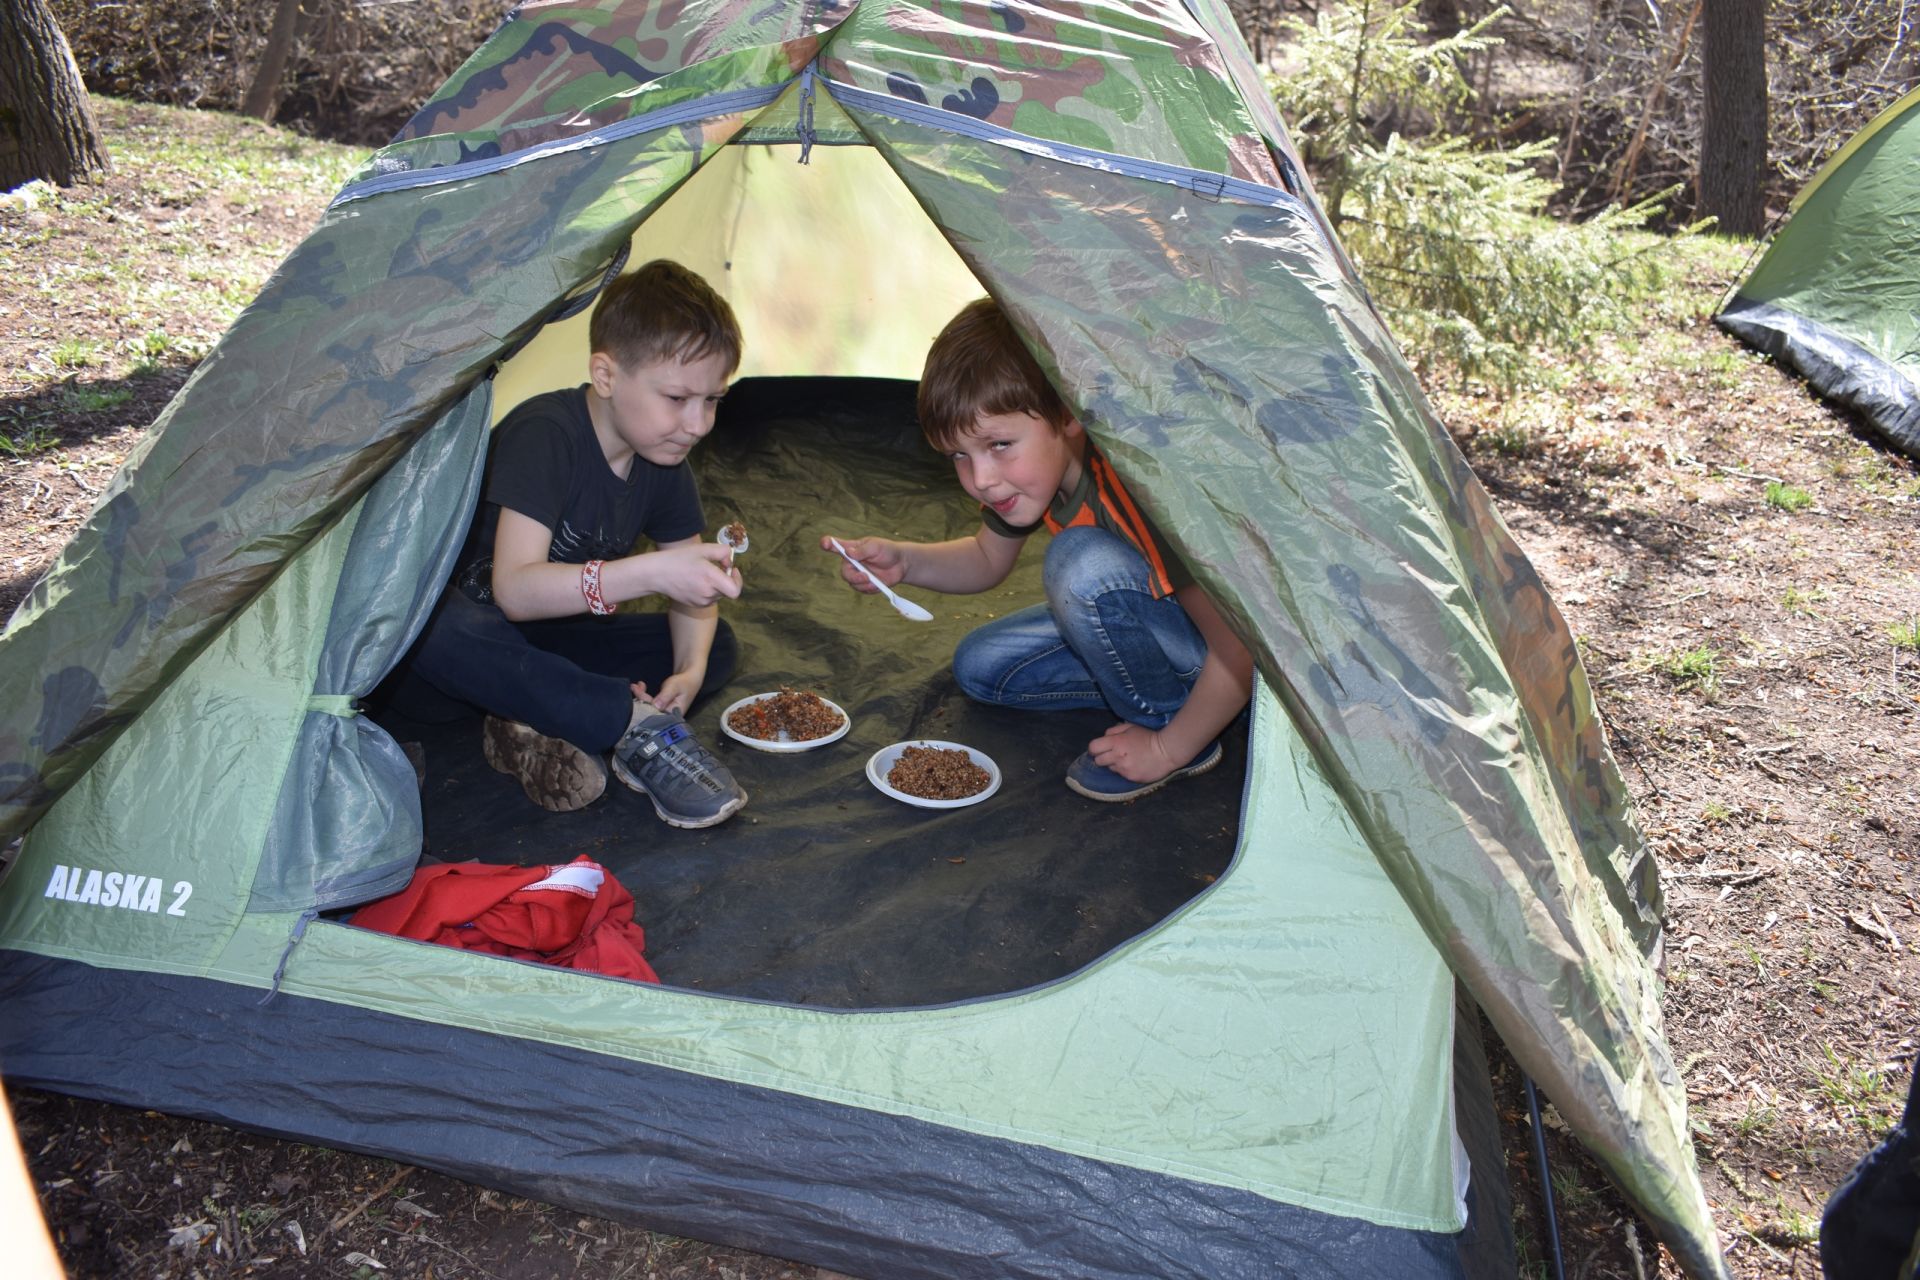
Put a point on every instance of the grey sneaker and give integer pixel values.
(553, 772)
(659, 758)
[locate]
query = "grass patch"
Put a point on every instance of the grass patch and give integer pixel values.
(22, 437)
(1787, 498)
(1512, 441)
(1756, 1120)
(1800, 603)
(74, 353)
(1905, 635)
(1571, 1191)
(91, 400)
(1697, 669)
(1859, 1093)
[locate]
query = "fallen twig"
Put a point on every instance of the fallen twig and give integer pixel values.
(1732, 879)
(1875, 908)
(341, 1221)
(1724, 469)
(1859, 921)
(442, 1244)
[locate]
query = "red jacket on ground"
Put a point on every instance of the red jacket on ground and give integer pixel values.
(577, 916)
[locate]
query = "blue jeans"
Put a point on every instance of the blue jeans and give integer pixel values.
(567, 677)
(1101, 640)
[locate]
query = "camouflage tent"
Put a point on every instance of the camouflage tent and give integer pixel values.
(1251, 1088)
(1836, 296)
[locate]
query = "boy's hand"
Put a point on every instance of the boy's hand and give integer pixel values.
(883, 557)
(676, 692)
(1133, 752)
(696, 575)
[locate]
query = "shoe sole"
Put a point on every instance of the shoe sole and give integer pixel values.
(732, 806)
(1148, 788)
(535, 761)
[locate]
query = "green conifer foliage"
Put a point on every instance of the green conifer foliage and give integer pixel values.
(1453, 239)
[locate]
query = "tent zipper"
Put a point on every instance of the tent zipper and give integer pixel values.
(718, 104)
(1209, 186)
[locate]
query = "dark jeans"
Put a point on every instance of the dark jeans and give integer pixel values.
(567, 677)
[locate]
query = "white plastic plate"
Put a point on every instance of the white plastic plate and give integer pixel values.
(781, 744)
(883, 760)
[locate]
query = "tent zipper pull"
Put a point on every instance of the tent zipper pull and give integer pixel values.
(805, 127)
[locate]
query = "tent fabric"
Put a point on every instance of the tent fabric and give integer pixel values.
(1111, 178)
(1836, 295)
(347, 826)
(841, 1185)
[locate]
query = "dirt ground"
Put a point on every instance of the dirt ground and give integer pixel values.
(1756, 662)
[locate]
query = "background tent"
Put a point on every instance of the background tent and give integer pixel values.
(1836, 295)
(1263, 1080)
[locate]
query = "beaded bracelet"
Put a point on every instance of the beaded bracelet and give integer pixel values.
(590, 588)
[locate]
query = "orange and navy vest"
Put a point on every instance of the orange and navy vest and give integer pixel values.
(1100, 499)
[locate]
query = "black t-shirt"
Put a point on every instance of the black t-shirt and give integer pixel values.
(547, 464)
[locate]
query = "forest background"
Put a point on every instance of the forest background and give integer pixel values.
(1735, 557)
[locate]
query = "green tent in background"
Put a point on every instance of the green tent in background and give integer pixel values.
(1262, 1083)
(1836, 295)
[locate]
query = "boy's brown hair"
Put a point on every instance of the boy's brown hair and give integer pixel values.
(978, 365)
(663, 311)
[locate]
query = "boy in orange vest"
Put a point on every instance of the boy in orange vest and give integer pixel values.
(1124, 626)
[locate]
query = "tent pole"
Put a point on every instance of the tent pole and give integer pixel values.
(1546, 1181)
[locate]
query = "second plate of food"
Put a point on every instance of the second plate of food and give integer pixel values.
(934, 775)
(785, 720)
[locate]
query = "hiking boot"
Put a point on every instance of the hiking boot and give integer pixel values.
(1097, 782)
(554, 773)
(659, 758)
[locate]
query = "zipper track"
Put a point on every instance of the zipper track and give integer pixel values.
(1210, 186)
(719, 104)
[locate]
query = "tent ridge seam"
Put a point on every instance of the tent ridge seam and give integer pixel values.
(1200, 182)
(704, 108)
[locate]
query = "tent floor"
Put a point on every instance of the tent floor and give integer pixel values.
(824, 891)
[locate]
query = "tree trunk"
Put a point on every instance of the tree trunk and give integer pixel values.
(46, 127)
(263, 95)
(1733, 133)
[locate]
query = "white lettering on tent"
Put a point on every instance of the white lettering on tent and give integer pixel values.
(115, 889)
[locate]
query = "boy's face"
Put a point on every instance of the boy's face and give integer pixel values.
(658, 410)
(1016, 462)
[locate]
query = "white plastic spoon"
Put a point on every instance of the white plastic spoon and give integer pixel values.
(907, 608)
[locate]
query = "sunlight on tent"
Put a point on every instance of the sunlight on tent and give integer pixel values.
(831, 267)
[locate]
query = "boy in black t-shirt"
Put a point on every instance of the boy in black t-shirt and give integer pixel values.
(528, 632)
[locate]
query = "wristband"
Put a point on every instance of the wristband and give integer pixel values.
(590, 588)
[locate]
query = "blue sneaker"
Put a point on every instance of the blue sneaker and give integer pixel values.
(1097, 782)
